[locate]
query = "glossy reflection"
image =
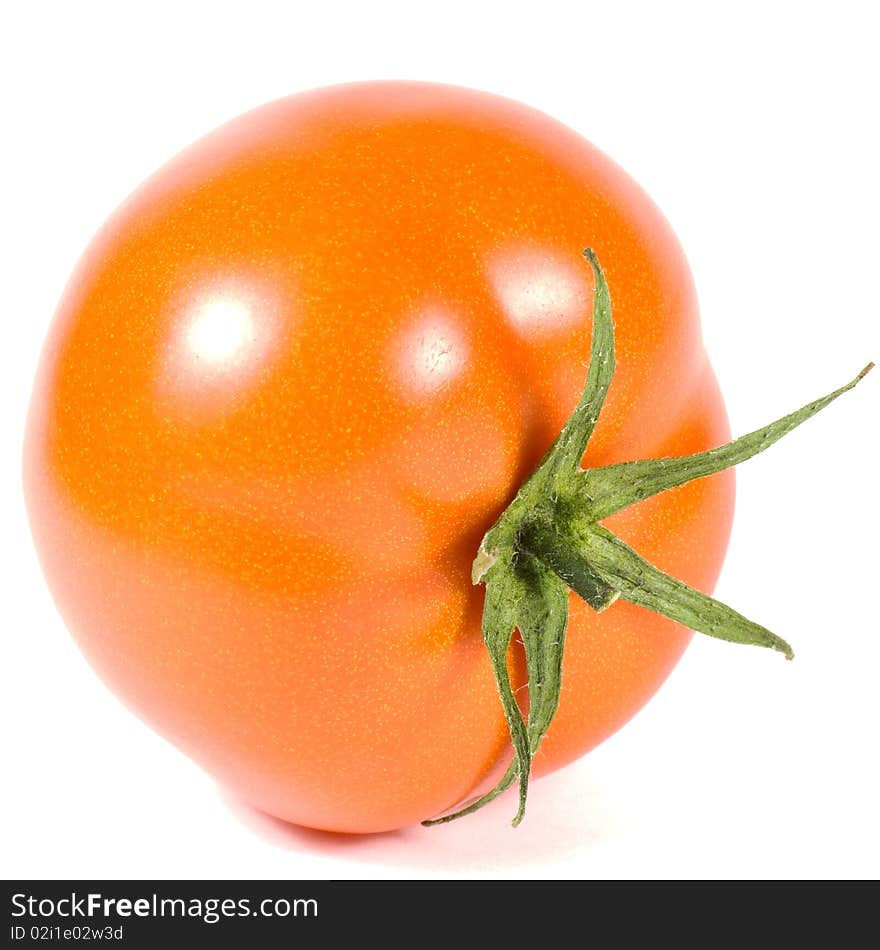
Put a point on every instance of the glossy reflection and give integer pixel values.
(540, 294)
(220, 331)
(220, 339)
(430, 354)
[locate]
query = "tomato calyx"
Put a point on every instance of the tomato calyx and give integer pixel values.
(549, 540)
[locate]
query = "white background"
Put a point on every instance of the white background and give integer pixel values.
(755, 129)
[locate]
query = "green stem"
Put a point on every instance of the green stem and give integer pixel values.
(549, 541)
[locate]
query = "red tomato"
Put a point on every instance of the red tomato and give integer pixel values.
(291, 384)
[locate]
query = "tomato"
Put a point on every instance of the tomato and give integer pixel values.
(291, 384)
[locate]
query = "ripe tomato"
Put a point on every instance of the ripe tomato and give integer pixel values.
(291, 384)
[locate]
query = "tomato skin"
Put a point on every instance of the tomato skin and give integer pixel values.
(290, 385)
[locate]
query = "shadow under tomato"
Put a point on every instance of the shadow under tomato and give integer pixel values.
(568, 813)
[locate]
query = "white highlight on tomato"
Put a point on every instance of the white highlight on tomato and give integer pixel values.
(539, 293)
(220, 331)
(219, 338)
(431, 353)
